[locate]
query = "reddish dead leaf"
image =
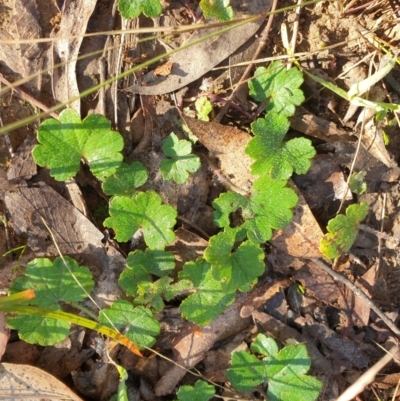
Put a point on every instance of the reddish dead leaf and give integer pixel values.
(163, 70)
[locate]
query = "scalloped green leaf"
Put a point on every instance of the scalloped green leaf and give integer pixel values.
(153, 294)
(278, 88)
(63, 143)
(201, 391)
(203, 107)
(142, 264)
(269, 208)
(284, 371)
(272, 155)
(39, 330)
(246, 371)
(180, 161)
(209, 299)
(133, 8)
(234, 270)
(126, 179)
(52, 283)
(146, 212)
(342, 231)
(138, 323)
(219, 9)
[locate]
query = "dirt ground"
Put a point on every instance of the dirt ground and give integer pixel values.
(335, 41)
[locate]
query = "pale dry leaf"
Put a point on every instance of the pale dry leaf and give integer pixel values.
(195, 61)
(24, 382)
(228, 144)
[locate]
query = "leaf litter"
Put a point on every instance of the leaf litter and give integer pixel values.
(28, 201)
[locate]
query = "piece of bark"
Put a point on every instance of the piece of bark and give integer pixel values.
(193, 62)
(67, 46)
(318, 127)
(360, 309)
(347, 349)
(22, 165)
(319, 283)
(192, 343)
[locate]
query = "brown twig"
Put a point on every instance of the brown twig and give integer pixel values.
(261, 45)
(361, 294)
(25, 96)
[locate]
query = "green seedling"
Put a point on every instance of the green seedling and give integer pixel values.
(146, 212)
(236, 270)
(126, 179)
(219, 9)
(357, 183)
(283, 371)
(201, 391)
(180, 161)
(62, 145)
(277, 88)
(272, 155)
(342, 231)
(268, 208)
(209, 298)
(133, 8)
(203, 107)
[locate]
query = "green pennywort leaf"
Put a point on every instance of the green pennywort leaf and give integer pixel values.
(141, 265)
(138, 323)
(268, 208)
(62, 145)
(52, 283)
(133, 8)
(342, 231)
(219, 9)
(203, 107)
(201, 391)
(180, 161)
(126, 179)
(234, 270)
(284, 371)
(146, 212)
(278, 88)
(209, 298)
(272, 155)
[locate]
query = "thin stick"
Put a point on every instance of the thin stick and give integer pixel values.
(25, 96)
(367, 377)
(292, 44)
(361, 294)
(261, 45)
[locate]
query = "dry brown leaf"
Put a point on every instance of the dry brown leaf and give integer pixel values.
(195, 61)
(361, 309)
(228, 144)
(24, 382)
(22, 60)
